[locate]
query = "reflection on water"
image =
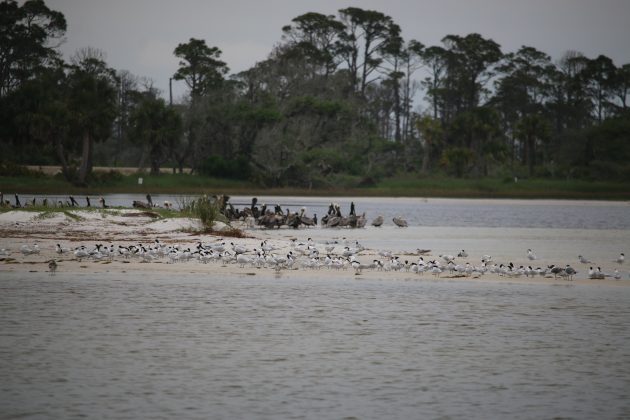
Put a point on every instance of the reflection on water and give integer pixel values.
(557, 214)
(265, 347)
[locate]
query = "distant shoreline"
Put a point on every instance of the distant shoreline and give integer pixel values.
(110, 180)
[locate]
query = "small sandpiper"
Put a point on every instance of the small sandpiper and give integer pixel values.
(52, 267)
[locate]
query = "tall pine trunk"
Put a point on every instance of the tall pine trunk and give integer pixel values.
(86, 157)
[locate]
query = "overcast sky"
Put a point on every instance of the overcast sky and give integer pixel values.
(140, 35)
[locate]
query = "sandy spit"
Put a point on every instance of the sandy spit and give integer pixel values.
(123, 227)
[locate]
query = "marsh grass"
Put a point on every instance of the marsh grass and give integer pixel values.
(407, 185)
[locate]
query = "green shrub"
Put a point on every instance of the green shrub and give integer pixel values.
(12, 169)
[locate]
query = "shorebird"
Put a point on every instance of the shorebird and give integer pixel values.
(620, 259)
(385, 253)
(243, 260)
(399, 221)
(595, 274)
(583, 259)
(81, 252)
(266, 246)
(463, 254)
(238, 249)
(378, 222)
(435, 270)
(556, 271)
(531, 255)
(60, 250)
(570, 271)
(26, 250)
(52, 267)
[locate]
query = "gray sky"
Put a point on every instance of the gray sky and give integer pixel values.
(140, 35)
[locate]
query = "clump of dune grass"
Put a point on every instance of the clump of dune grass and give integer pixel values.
(204, 208)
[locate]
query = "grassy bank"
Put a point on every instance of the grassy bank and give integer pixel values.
(394, 187)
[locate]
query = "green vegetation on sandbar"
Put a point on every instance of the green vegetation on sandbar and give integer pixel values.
(401, 186)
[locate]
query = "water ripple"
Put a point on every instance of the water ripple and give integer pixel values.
(270, 348)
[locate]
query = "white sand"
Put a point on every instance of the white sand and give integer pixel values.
(125, 227)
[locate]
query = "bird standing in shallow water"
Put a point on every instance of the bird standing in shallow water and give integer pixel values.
(52, 267)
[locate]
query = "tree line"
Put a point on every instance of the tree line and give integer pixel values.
(339, 97)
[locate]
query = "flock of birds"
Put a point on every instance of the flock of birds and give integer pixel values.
(331, 255)
(334, 255)
(45, 202)
(252, 215)
(276, 217)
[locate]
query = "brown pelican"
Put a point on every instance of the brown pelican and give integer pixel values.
(378, 222)
(254, 209)
(333, 221)
(308, 221)
(399, 221)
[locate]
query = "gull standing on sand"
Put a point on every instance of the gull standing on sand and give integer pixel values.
(570, 271)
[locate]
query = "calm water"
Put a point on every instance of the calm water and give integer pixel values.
(264, 347)
(559, 214)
